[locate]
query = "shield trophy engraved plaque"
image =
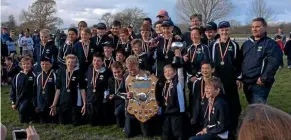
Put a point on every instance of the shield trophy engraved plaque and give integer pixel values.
(143, 104)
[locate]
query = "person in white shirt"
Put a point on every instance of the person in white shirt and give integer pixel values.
(26, 43)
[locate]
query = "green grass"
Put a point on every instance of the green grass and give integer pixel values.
(280, 97)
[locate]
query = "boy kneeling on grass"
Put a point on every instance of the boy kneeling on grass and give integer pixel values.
(69, 81)
(216, 117)
(23, 91)
(46, 89)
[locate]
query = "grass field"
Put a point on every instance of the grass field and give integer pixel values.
(280, 97)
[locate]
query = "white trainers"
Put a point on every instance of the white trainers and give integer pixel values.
(289, 67)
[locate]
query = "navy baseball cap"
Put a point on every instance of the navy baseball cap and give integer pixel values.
(167, 23)
(107, 44)
(223, 24)
(211, 26)
(45, 59)
(101, 26)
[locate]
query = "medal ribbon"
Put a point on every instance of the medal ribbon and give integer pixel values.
(42, 80)
(167, 48)
(223, 55)
(194, 53)
(167, 94)
(94, 78)
(86, 50)
(68, 79)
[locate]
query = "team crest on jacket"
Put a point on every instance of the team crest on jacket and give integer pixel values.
(30, 78)
(92, 50)
(73, 78)
(230, 48)
(259, 48)
(50, 79)
(47, 51)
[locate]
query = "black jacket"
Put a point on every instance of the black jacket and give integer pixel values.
(261, 58)
(160, 56)
(101, 85)
(145, 61)
(69, 99)
(197, 103)
(23, 88)
(64, 50)
(49, 50)
(118, 90)
(176, 101)
(47, 99)
(218, 122)
(98, 41)
(231, 70)
(198, 55)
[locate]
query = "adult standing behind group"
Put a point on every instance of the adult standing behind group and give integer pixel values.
(261, 59)
(163, 15)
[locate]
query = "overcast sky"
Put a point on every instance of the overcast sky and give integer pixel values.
(72, 11)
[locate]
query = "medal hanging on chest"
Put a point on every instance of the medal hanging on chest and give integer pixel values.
(222, 55)
(167, 46)
(68, 80)
(145, 46)
(94, 79)
(44, 83)
(167, 92)
(194, 53)
(110, 62)
(86, 50)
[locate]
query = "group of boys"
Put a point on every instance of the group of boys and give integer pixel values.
(85, 80)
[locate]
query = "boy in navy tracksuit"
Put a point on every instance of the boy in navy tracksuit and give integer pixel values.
(161, 48)
(97, 90)
(84, 50)
(117, 92)
(108, 54)
(124, 42)
(173, 101)
(193, 57)
(45, 49)
(46, 89)
(69, 82)
(227, 60)
(144, 58)
(67, 47)
(199, 101)
(23, 91)
(100, 38)
(114, 33)
(216, 116)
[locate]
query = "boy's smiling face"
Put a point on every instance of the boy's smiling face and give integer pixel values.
(45, 66)
(169, 73)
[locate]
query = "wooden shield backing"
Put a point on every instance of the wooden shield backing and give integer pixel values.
(143, 105)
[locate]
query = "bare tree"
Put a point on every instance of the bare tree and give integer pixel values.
(10, 24)
(131, 16)
(73, 25)
(41, 14)
(259, 8)
(210, 10)
(107, 18)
